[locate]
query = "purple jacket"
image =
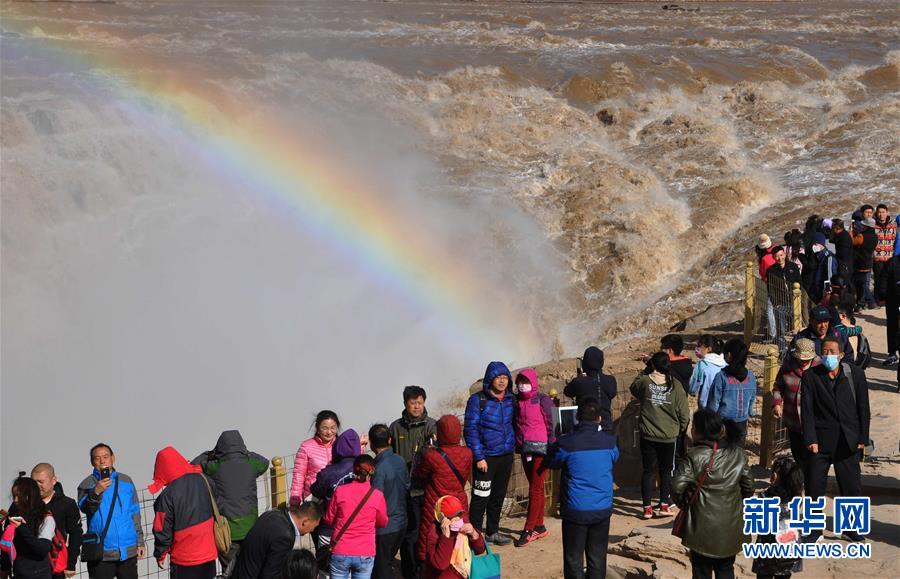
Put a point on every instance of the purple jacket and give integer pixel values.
(534, 413)
(345, 450)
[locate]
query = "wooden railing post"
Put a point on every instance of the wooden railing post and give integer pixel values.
(278, 476)
(767, 433)
(749, 300)
(798, 307)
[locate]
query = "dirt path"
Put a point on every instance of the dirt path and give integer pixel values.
(641, 548)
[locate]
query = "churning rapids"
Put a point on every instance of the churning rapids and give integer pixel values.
(597, 167)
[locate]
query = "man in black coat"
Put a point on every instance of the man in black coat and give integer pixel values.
(780, 281)
(65, 513)
(834, 413)
(865, 240)
(843, 248)
(594, 384)
(273, 537)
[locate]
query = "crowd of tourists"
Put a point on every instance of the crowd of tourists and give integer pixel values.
(431, 492)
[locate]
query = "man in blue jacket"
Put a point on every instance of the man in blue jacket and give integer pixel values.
(109, 493)
(586, 457)
(392, 479)
(489, 434)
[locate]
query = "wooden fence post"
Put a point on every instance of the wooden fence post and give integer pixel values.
(767, 433)
(798, 307)
(279, 482)
(749, 299)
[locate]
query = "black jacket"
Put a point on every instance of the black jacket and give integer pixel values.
(864, 254)
(780, 283)
(843, 250)
(32, 553)
(68, 521)
(828, 409)
(594, 384)
(266, 546)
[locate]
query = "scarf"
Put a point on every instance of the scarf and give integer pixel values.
(461, 558)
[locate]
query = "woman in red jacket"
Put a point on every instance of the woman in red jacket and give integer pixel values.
(445, 470)
(453, 543)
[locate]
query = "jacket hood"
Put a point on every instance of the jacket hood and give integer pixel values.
(495, 369)
(449, 431)
(230, 441)
(532, 377)
(346, 446)
(170, 466)
(717, 360)
(592, 360)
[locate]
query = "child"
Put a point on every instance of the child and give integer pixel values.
(455, 542)
(847, 326)
(711, 362)
(534, 432)
(787, 483)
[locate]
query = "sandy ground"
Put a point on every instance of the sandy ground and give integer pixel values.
(664, 557)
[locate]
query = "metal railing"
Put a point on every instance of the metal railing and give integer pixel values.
(773, 313)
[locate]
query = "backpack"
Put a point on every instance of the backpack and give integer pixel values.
(59, 553)
(863, 353)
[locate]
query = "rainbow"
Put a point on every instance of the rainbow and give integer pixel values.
(307, 181)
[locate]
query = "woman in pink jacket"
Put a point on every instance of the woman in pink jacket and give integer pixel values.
(314, 455)
(353, 542)
(534, 433)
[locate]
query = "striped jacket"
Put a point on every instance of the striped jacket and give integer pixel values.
(787, 392)
(887, 237)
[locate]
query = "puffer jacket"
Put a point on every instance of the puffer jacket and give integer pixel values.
(125, 532)
(439, 477)
(534, 418)
(313, 455)
(345, 450)
(887, 238)
(714, 525)
(183, 520)
(234, 470)
(489, 427)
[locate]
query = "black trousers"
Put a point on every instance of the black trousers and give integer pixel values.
(386, 547)
(800, 454)
(846, 469)
(760, 576)
(703, 567)
(126, 569)
(409, 562)
(657, 458)
(229, 559)
(880, 273)
(201, 571)
(736, 431)
(585, 541)
(489, 491)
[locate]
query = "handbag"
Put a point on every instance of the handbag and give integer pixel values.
(323, 552)
(534, 447)
(681, 518)
(221, 527)
(486, 565)
(91, 542)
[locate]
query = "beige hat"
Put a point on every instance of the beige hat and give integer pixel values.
(764, 242)
(805, 350)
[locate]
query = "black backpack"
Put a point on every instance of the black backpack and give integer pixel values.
(863, 352)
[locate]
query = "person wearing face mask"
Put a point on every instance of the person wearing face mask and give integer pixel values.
(823, 265)
(490, 433)
(834, 399)
(711, 362)
(786, 394)
(534, 432)
(453, 544)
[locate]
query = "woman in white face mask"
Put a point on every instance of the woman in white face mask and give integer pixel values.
(824, 265)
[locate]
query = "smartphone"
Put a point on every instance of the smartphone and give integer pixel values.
(105, 472)
(19, 520)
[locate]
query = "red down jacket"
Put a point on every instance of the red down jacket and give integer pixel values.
(439, 477)
(183, 524)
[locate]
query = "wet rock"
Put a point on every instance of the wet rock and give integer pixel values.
(606, 117)
(624, 568)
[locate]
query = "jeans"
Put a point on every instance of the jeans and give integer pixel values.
(489, 491)
(126, 569)
(770, 320)
(862, 284)
(783, 324)
(344, 566)
(703, 567)
(386, 547)
(536, 472)
(585, 540)
(800, 454)
(657, 458)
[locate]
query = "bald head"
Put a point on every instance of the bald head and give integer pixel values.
(45, 477)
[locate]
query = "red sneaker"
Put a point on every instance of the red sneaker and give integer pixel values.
(648, 512)
(664, 511)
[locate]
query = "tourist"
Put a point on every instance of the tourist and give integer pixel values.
(586, 456)
(766, 260)
(313, 455)
(819, 329)
(392, 479)
(821, 267)
(710, 363)
(274, 537)
(892, 311)
(664, 415)
(410, 434)
(779, 289)
(355, 511)
(714, 519)
(886, 231)
(344, 452)
(109, 496)
(234, 470)
(490, 433)
(843, 248)
(452, 543)
(444, 468)
(300, 564)
(534, 433)
(786, 484)
(65, 514)
(594, 383)
(786, 394)
(865, 240)
(834, 399)
(34, 527)
(733, 391)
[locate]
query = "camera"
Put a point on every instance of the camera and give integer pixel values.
(105, 472)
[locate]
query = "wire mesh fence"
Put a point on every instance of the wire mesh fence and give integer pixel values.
(775, 311)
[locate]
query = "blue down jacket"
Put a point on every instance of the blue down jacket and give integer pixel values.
(489, 429)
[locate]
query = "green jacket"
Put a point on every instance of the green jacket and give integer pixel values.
(664, 408)
(412, 435)
(714, 525)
